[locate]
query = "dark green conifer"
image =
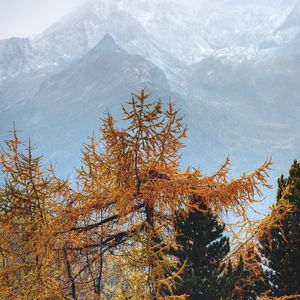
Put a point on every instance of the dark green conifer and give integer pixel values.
(284, 255)
(203, 246)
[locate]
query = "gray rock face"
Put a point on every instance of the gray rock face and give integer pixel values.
(14, 54)
(105, 68)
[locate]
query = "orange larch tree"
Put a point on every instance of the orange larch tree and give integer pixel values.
(110, 235)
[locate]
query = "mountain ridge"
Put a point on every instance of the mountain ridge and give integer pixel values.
(156, 31)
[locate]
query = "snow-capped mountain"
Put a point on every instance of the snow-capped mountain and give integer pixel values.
(155, 29)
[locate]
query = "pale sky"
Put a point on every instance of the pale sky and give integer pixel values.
(23, 18)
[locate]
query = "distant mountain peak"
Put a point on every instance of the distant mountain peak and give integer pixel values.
(108, 40)
(107, 45)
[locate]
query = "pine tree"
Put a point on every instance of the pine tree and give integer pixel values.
(208, 275)
(203, 247)
(283, 252)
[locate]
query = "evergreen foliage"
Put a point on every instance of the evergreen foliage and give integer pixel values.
(283, 252)
(203, 247)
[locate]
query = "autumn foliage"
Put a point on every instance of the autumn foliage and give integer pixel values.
(109, 235)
